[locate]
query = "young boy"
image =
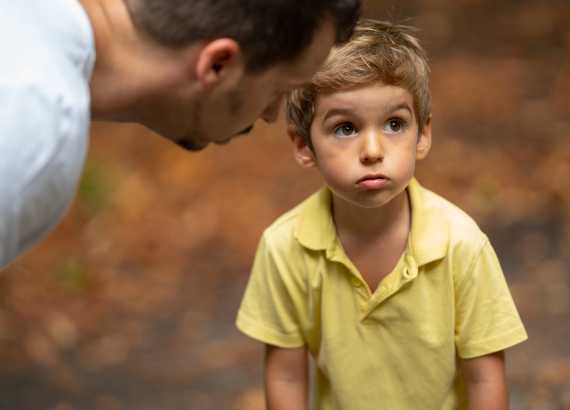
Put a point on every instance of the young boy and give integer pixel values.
(395, 292)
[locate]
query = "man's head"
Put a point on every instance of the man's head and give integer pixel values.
(378, 52)
(268, 31)
(243, 56)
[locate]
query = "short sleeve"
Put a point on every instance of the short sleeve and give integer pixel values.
(39, 169)
(487, 320)
(271, 308)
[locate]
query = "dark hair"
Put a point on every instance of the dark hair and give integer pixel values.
(269, 31)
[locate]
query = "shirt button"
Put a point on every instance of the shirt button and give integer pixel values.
(409, 273)
(355, 282)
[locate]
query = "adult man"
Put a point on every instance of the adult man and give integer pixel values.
(195, 72)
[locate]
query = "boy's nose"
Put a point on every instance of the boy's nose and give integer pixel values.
(372, 149)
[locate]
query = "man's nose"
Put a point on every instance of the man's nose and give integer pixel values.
(271, 112)
(372, 149)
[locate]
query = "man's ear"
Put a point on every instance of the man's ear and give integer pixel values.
(424, 140)
(218, 59)
(303, 154)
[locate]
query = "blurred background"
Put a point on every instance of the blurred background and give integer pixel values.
(130, 303)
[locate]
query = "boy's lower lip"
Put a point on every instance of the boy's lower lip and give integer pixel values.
(373, 183)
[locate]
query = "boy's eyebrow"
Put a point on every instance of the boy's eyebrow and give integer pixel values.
(385, 109)
(398, 106)
(337, 111)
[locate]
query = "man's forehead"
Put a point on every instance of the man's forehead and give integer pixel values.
(314, 55)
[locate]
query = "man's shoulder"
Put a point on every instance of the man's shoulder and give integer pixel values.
(46, 44)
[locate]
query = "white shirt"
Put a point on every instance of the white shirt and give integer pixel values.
(47, 51)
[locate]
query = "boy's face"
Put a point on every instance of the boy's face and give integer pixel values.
(366, 143)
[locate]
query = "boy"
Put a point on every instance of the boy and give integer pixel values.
(395, 292)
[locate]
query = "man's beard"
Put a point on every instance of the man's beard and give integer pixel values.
(190, 141)
(236, 103)
(246, 130)
(195, 140)
(190, 145)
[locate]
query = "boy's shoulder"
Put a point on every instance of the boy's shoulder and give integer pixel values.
(443, 214)
(288, 220)
(301, 223)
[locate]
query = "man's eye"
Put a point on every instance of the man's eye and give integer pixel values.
(394, 125)
(344, 130)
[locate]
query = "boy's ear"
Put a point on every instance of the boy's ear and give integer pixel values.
(424, 140)
(301, 151)
(217, 60)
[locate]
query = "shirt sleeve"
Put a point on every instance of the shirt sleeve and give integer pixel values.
(271, 308)
(487, 320)
(36, 181)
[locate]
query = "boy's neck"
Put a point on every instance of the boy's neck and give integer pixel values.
(374, 239)
(362, 224)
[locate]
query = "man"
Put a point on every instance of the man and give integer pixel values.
(195, 72)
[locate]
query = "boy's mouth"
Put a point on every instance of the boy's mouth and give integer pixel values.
(372, 176)
(372, 181)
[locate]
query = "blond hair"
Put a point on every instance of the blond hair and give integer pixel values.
(378, 51)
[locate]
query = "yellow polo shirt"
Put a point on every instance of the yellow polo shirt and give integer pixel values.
(398, 347)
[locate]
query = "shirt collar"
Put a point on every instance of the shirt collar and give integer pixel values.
(315, 228)
(429, 235)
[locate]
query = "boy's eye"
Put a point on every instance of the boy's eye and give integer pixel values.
(394, 125)
(344, 130)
